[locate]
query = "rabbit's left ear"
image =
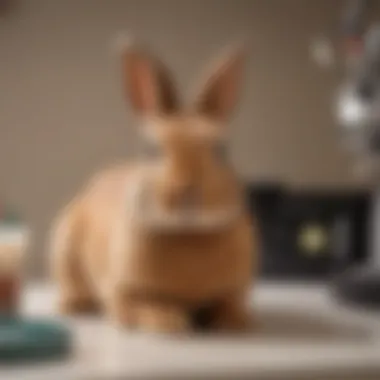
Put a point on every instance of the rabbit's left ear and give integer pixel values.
(219, 92)
(148, 82)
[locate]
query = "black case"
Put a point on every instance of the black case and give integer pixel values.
(309, 234)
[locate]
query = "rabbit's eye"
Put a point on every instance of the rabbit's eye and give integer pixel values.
(221, 151)
(151, 150)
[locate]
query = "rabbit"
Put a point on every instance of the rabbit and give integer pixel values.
(156, 241)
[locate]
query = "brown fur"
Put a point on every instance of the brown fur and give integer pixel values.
(161, 281)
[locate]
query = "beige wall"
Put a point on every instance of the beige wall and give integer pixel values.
(62, 114)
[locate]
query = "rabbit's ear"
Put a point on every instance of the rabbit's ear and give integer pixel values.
(219, 92)
(148, 83)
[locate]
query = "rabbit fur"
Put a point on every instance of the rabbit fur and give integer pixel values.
(155, 241)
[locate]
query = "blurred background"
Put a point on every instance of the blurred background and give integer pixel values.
(63, 114)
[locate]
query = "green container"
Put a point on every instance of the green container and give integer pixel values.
(23, 340)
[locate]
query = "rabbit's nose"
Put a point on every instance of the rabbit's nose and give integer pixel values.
(186, 198)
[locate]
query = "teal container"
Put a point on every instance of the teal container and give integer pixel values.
(23, 340)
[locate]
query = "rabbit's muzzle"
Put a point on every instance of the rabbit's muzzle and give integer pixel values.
(185, 210)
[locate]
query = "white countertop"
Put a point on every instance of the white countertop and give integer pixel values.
(304, 334)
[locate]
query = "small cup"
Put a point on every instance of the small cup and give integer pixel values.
(13, 241)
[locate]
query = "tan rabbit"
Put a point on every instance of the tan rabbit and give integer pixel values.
(156, 241)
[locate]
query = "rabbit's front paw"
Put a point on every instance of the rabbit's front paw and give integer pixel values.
(161, 319)
(119, 313)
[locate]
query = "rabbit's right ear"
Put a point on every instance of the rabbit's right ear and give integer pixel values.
(220, 89)
(147, 82)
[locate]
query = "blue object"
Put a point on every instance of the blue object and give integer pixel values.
(32, 340)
